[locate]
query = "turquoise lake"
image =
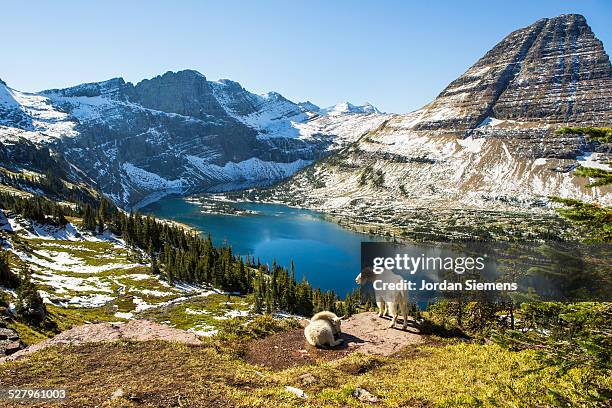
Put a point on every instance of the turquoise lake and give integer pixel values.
(325, 253)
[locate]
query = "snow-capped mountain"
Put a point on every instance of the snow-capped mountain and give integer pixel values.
(344, 108)
(177, 132)
(487, 141)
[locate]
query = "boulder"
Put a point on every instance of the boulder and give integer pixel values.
(8, 334)
(8, 347)
(364, 395)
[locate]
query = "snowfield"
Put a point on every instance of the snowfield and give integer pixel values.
(149, 181)
(253, 169)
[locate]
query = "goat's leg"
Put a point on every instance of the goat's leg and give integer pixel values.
(338, 342)
(381, 308)
(392, 309)
(404, 308)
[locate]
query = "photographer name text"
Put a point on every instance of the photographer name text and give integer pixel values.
(445, 286)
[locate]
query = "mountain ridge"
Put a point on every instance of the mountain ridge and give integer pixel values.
(176, 132)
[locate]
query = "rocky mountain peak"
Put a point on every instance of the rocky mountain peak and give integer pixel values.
(309, 106)
(347, 107)
(230, 86)
(554, 71)
(184, 92)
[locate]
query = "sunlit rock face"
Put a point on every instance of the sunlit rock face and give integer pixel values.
(552, 72)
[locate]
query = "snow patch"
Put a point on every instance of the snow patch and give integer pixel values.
(593, 160)
(147, 180)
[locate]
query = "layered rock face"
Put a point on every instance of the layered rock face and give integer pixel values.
(486, 142)
(177, 132)
(553, 72)
(9, 340)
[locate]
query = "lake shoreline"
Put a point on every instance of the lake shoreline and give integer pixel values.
(324, 252)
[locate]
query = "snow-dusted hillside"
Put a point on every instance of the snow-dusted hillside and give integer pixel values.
(90, 276)
(32, 116)
(178, 132)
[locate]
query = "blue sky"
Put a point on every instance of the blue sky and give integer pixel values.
(397, 55)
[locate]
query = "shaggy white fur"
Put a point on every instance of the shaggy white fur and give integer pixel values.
(330, 317)
(387, 300)
(320, 333)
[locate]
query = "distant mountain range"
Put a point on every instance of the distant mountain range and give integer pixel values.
(487, 140)
(178, 132)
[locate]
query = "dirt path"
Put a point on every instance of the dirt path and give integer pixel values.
(364, 332)
(138, 330)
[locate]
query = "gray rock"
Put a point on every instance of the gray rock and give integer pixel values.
(307, 379)
(8, 334)
(10, 347)
(364, 395)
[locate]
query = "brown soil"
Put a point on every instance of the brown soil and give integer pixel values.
(364, 332)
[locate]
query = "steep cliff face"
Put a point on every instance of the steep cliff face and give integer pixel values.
(552, 72)
(487, 141)
(177, 132)
(186, 93)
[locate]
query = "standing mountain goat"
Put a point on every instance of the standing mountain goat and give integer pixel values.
(386, 300)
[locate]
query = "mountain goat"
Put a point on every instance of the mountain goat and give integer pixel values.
(330, 317)
(320, 333)
(386, 300)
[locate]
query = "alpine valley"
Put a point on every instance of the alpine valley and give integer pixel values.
(118, 308)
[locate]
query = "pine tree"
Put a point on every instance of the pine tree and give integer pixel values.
(258, 296)
(89, 218)
(30, 306)
(7, 278)
(154, 265)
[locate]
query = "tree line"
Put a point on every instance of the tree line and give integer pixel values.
(180, 255)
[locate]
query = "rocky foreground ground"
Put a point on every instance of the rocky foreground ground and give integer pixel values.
(144, 364)
(364, 332)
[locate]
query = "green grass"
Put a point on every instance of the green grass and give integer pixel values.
(60, 319)
(91, 253)
(602, 177)
(184, 315)
(601, 134)
(170, 374)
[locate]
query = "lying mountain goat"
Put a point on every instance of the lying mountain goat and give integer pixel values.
(330, 317)
(320, 333)
(386, 300)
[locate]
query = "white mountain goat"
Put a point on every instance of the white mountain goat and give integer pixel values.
(334, 320)
(320, 333)
(387, 300)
